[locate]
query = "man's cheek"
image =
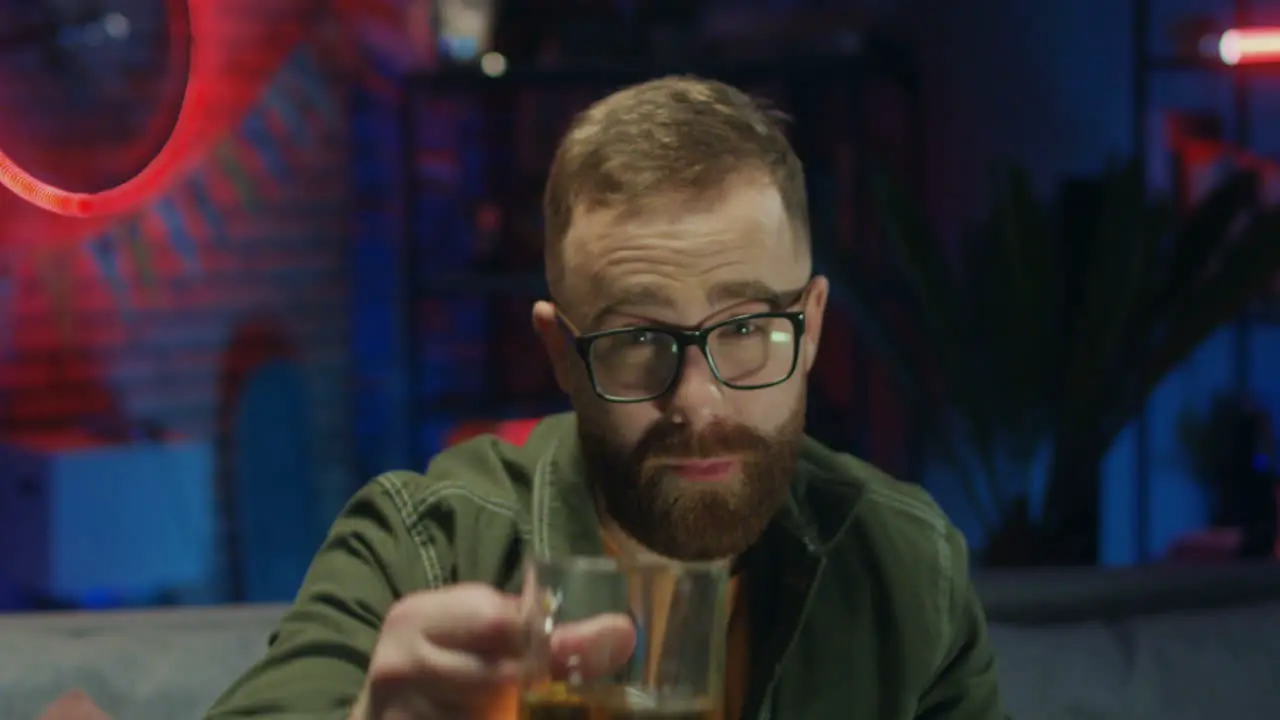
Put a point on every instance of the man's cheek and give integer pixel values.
(625, 425)
(772, 412)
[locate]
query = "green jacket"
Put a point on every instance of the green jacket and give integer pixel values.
(861, 603)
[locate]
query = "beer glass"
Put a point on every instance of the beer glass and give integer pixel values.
(680, 613)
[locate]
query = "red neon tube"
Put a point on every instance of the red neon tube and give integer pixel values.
(1250, 46)
(119, 198)
(224, 79)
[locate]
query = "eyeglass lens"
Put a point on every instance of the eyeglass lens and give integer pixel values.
(745, 353)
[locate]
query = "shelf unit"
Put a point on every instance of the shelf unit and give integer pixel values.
(475, 154)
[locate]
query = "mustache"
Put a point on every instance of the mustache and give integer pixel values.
(675, 441)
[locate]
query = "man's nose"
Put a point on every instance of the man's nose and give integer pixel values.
(697, 393)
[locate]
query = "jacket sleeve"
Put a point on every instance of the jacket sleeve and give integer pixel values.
(964, 687)
(316, 660)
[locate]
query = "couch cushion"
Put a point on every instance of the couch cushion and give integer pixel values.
(1190, 665)
(160, 665)
(1048, 595)
(167, 665)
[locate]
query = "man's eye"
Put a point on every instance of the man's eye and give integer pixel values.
(743, 328)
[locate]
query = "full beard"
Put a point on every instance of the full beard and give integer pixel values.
(691, 520)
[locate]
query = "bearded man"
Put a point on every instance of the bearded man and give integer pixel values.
(683, 322)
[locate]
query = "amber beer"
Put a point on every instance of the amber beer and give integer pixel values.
(678, 610)
(559, 703)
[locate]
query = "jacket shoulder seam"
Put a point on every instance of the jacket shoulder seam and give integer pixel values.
(920, 508)
(937, 522)
(404, 506)
(946, 576)
(411, 510)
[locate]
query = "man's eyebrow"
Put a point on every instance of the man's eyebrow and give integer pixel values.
(734, 292)
(738, 291)
(635, 296)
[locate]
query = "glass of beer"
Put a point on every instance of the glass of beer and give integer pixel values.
(675, 670)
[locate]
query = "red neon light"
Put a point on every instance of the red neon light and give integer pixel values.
(132, 191)
(1250, 46)
(515, 432)
(224, 79)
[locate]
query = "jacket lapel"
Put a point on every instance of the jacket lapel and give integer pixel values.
(564, 513)
(782, 571)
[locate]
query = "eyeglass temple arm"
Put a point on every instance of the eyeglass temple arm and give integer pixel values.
(568, 324)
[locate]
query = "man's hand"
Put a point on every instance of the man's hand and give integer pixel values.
(456, 653)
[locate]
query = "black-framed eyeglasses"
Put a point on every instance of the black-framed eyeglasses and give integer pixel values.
(633, 364)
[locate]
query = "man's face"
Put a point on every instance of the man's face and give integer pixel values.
(698, 472)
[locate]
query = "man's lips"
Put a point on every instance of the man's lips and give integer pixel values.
(710, 470)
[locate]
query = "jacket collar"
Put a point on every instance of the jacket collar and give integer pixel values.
(565, 521)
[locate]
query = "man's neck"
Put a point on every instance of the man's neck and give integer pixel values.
(616, 540)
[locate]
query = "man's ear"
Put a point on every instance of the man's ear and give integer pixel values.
(556, 342)
(815, 308)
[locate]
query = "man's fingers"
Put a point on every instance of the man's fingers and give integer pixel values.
(473, 618)
(413, 672)
(593, 647)
(453, 690)
(458, 676)
(466, 642)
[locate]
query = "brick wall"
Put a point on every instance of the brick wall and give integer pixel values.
(152, 336)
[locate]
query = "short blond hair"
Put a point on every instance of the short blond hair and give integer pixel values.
(674, 136)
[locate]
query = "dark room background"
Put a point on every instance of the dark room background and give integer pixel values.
(299, 305)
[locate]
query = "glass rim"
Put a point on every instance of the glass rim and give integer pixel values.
(645, 561)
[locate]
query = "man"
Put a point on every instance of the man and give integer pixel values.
(683, 325)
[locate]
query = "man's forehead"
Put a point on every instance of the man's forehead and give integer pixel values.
(740, 246)
(750, 269)
(743, 201)
(599, 239)
(721, 292)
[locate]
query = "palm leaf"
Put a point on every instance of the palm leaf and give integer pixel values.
(1202, 233)
(1112, 246)
(1194, 247)
(1247, 268)
(944, 309)
(1032, 261)
(1052, 326)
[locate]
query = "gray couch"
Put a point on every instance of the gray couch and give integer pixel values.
(1166, 643)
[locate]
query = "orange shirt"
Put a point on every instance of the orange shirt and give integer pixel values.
(737, 648)
(737, 664)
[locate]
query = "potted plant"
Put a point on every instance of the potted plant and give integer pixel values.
(1231, 448)
(1041, 336)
